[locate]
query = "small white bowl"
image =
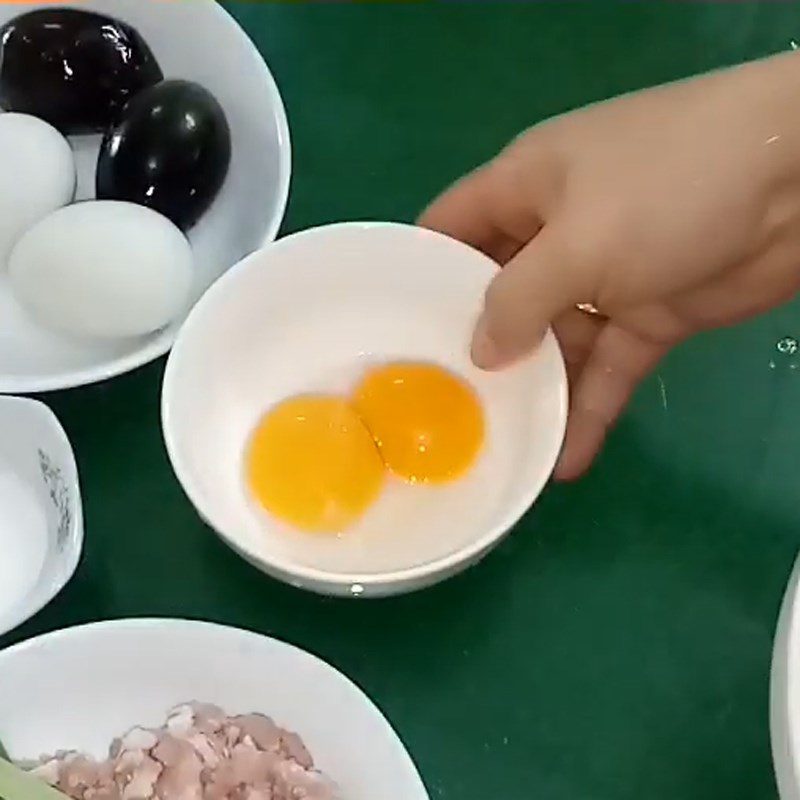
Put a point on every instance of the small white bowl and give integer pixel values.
(308, 313)
(41, 518)
(785, 692)
(184, 36)
(79, 688)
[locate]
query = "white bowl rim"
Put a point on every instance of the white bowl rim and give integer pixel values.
(447, 564)
(77, 534)
(178, 624)
(160, 344)
(784, 688)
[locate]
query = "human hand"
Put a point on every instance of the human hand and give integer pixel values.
(672, 211)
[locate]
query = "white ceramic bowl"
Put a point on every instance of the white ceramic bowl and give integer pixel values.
(785, 692)
(185, 35)
(41, 518)
(81, 687)
(308, 313)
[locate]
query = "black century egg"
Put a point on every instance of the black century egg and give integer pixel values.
(170, 150)
(75, 69)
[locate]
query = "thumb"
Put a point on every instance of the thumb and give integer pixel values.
(537, 285)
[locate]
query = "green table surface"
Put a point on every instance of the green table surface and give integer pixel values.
(617, 645)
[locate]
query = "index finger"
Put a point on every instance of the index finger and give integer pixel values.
(464, 212)
(499, 207)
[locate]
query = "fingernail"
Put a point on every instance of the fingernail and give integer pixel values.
(485, 352)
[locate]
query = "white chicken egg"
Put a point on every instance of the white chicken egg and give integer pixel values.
(103, 269)
(37, 175)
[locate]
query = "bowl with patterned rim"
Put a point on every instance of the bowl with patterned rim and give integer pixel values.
(41, 517)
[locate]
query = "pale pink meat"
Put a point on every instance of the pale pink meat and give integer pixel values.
(200, 753)
(262, 730)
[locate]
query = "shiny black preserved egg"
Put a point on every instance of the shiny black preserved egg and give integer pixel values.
(169, 151)
(74, 69)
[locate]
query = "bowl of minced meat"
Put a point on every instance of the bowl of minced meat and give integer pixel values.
(173, 710)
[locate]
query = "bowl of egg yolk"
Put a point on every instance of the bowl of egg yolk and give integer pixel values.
(322, 413)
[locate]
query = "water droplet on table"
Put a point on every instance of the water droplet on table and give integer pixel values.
(788, 345)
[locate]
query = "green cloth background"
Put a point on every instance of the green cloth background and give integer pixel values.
(617, 646)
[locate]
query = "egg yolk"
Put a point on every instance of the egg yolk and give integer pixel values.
(428, 423)
(312, 463)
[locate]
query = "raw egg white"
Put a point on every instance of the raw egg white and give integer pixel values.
(37, 175)
(103, 269)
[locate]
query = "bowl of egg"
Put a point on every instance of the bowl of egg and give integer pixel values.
(134, 170)
(322, 413)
